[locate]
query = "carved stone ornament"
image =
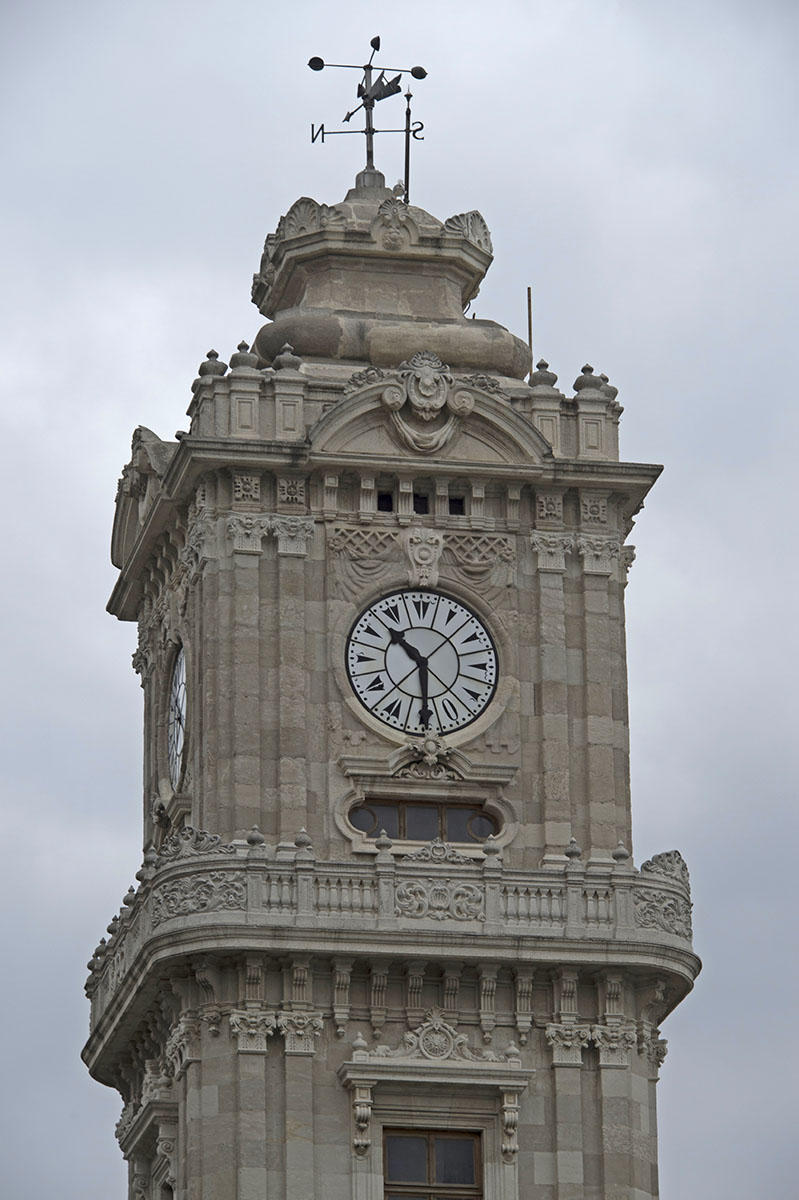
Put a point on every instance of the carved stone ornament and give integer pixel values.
(425, 770)
(439, 901)
(186, 842)
(423, 549)
(436, 851)
(614, 1043)
(183, 1044)
(218, 890)
(593, 509)
(198, 546)
(305, 216)
(483, 561)
(599, 554)
(670, 864)
(393, 226)
(549, 507)
(472, 226)
(252, 1028)
(300, 1029)
(663, 910)
(436, 1039)
(247, 489)
(293, 535)
(552, 549)
(567, 1043)
(425, 403)
(248, 531)
(291, 491)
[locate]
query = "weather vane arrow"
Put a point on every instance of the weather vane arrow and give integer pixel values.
(371, 90)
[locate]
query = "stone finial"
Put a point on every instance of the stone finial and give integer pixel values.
(608, 389)
(303, 840)
(255, 837)
(490, 847)
(243, 357)
(286, 359)
(573, 852)
(213, 365)
(621, 854)
(129, 899)
(542, 376)
(587, 380)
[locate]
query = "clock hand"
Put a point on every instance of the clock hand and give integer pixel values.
(425, 712)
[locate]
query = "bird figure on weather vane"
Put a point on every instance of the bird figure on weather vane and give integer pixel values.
(372, 89)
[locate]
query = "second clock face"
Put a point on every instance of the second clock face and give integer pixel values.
(422, 662)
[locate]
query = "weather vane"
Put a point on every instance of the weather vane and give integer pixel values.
(370, 91)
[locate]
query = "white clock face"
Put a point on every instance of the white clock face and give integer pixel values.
(176, 721)
(421, 662)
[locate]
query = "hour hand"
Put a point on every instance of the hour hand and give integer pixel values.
(398, 637)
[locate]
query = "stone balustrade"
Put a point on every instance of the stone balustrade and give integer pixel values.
(198, 883)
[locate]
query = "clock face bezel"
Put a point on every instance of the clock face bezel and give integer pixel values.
(460, 686)
(176, 719)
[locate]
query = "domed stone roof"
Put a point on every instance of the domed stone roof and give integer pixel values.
(372, 279)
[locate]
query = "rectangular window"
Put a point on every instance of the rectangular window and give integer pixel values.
(421, 503)
(385, 502)
(457, 506)
(431, 1165)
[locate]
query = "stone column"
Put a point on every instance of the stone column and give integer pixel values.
(599, 555)
(293, 536)
(552, 548)
(567, 1037)
(300, 1031)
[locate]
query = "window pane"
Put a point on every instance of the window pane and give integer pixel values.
(421, 822)
(481, 826)
(364, 819)
(387, 817)
(406, 1159)
(454, 1160)
(457, 824)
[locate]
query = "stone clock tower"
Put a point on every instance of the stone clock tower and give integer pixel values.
(388, 938)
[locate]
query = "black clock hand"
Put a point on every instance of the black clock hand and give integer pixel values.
(425, 713)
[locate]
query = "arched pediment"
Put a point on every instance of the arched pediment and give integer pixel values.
(422, 410)
(141, 479)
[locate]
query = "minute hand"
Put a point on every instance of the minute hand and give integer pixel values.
(416, 656)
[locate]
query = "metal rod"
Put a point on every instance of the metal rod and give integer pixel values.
(368, 106)
(530, 325)
(408, 97)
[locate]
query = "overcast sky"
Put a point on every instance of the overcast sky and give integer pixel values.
(636, 162)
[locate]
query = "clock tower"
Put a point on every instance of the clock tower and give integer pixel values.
(388, 938)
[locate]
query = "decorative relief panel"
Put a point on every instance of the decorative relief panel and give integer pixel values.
(440, 901)
(549, 508)
(472, 226)
(437, 1039)
(291, 492)
(593, 508)
(215, 891)
(247, 490)
(481, 562)
(663, 910)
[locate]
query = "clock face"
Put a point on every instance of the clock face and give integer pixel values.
(176, 721)
(421, 662)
